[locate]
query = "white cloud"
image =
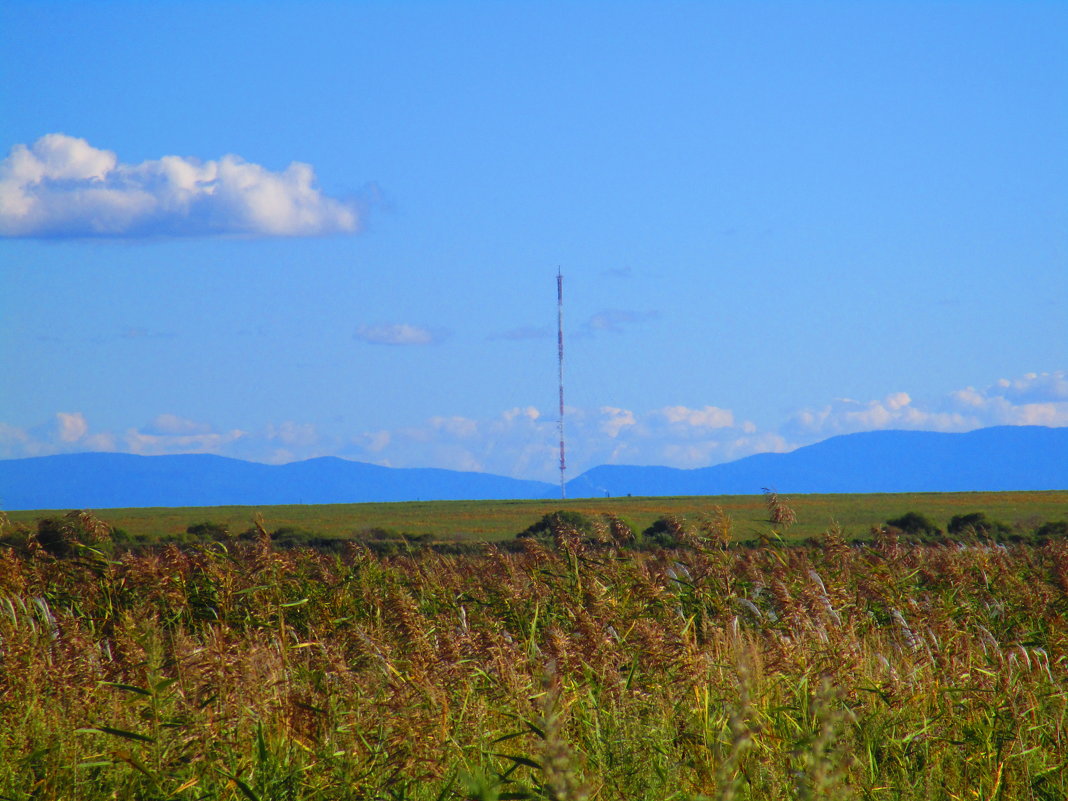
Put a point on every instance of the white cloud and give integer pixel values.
(66, 432)
(845, 416)
(72, 426)
(374, 441)
(708, 417)
(616, 420)
(1034, 387)
(62, 186)
(516, 442)
(291, 434)
(139, 442)
(16, 443)
(528, 412)
(172, 424)
(397, 334)
(460, 427)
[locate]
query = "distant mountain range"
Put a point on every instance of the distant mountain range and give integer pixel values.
(987, 460)
(991, 459)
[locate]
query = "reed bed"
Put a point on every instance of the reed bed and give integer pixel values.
(565, 672)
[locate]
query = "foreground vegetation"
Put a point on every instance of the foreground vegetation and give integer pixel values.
(573, 668)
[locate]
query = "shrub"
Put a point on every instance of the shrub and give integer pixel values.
(915, 524)
(978, 524)
(60, 536)
(377, 534)
(290, 537)
(1053, 529)
(209, 531)
(666, 532)
(543, 529)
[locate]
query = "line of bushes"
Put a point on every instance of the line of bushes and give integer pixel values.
(560, 530)
(974, 526)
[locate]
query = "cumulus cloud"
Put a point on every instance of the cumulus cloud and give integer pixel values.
(845, 416)
(61, 186)
(65, 432)
(1039, 399)
(526, 412)
(677, 436)
(71, 426)
(614, 420)
(1033, 388)
(516, 442)
(397, 334)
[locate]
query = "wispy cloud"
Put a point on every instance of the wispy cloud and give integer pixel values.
(524, 332)
(707, 417)
(96, 337)
(616, 320)
(398, 334)
(146, 444)
(166, 425)
(139, 332)
(61, 186)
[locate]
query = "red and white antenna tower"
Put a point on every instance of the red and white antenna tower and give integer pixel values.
(560, 364)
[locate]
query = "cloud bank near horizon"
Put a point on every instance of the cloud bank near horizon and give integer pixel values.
(522, 442)
(63, 187)
(1034, 399)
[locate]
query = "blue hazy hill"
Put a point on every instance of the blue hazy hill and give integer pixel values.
(118, 480)
(991, 459)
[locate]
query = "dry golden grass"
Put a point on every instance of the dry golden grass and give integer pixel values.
(564, 671)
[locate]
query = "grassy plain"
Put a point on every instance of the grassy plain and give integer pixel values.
(499, 520)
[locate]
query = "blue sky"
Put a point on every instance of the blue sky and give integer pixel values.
(277, 230)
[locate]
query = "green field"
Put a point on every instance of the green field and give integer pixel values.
(499, 520)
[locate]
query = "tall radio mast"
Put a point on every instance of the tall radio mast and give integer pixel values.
(560, 365)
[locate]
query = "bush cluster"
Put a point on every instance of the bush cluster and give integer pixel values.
(974, 526)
